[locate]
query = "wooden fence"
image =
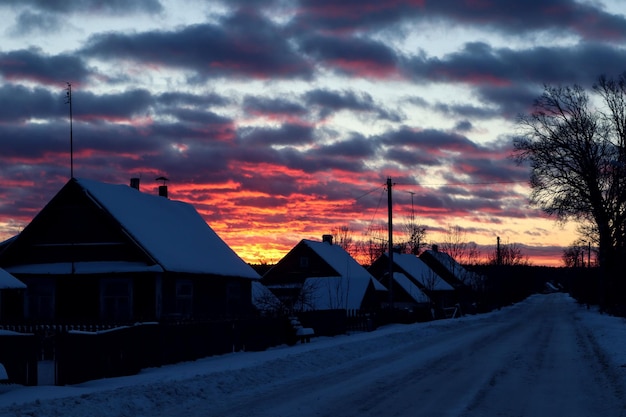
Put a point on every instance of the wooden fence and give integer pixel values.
(86, 352)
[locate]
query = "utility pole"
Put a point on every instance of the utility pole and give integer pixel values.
(498, 253)
(390, 227)
(69, 101)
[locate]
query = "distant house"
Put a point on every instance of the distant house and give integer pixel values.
(452, 272)
(11, 296)
(413, 277)
(318, 275)
(110, 253)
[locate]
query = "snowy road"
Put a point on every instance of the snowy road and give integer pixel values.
(539, 358)
(536, 362)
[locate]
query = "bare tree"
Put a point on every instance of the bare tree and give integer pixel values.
(454, 243)
(574, 255)
(508, 254)
(473, 254)
(577, 156)
(342, 236)
(306, 298)
(415, 236)
(375, 244)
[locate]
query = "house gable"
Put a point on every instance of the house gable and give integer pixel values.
(72, 228)
(300, 263)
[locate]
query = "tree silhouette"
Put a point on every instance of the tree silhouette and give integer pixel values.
(574, 144)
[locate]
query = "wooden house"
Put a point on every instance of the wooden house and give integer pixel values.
(463, 281)
(318, 275)
(110, 253)
(11, 296)
(415, 283)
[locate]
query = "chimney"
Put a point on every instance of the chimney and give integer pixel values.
(327, 239)
(163, 187)
(134, 183)
(435, 248)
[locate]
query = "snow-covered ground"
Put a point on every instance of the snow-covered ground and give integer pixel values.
(216, 385)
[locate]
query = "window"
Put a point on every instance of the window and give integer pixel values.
(304, 262)
(184, 297)
(40, 301)
(116, 299)
(233, 295)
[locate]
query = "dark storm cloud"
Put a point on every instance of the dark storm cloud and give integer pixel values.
(187, 99)
(258, 105)
(104, 106)
(21, 103)
(508, 17)
(287, 134)
(430, 140)
(29, 22)
(34, 65)
(480, 64)
(356, 147)
(463, 126)
(89, 6)
(199, 116)
(352, 56)
(243, 44)
(466, 110)
(32, 142)
(511, 101)
(334, 101)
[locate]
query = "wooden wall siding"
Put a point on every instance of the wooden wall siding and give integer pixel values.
(290, 269)
(72, 229)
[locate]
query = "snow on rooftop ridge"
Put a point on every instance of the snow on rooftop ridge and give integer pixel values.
(8, 281)
(452, 265)
(172, 232)
(341, 261)
(418, 269)
(413, 290)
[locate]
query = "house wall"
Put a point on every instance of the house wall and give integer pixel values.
(211, 296)
(11, 305)
(299, 264)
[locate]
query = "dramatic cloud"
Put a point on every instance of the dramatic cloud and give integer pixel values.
(34, 65)
(243, 44)
(281, 119)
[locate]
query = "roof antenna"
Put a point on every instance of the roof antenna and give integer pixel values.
(68, 100)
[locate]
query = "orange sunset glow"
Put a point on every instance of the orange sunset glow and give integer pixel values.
(283, 121)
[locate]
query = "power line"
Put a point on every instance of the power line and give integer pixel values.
(464, 183)
(368, 193)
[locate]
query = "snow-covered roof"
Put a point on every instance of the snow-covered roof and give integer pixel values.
(263, 298)
(172, 232)
(452, 265)
(329, 293)
(342, 262)
(413, 290)
(8, 281)
(417, 269)
(65, 268)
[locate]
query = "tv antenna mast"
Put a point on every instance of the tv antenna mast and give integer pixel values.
(68, 100)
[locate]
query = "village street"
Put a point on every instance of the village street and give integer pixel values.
(546, 356)
(536, 361)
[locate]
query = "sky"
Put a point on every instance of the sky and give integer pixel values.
(216, 382)
(282, 120)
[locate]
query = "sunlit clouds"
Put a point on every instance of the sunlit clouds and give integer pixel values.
(281, 120)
